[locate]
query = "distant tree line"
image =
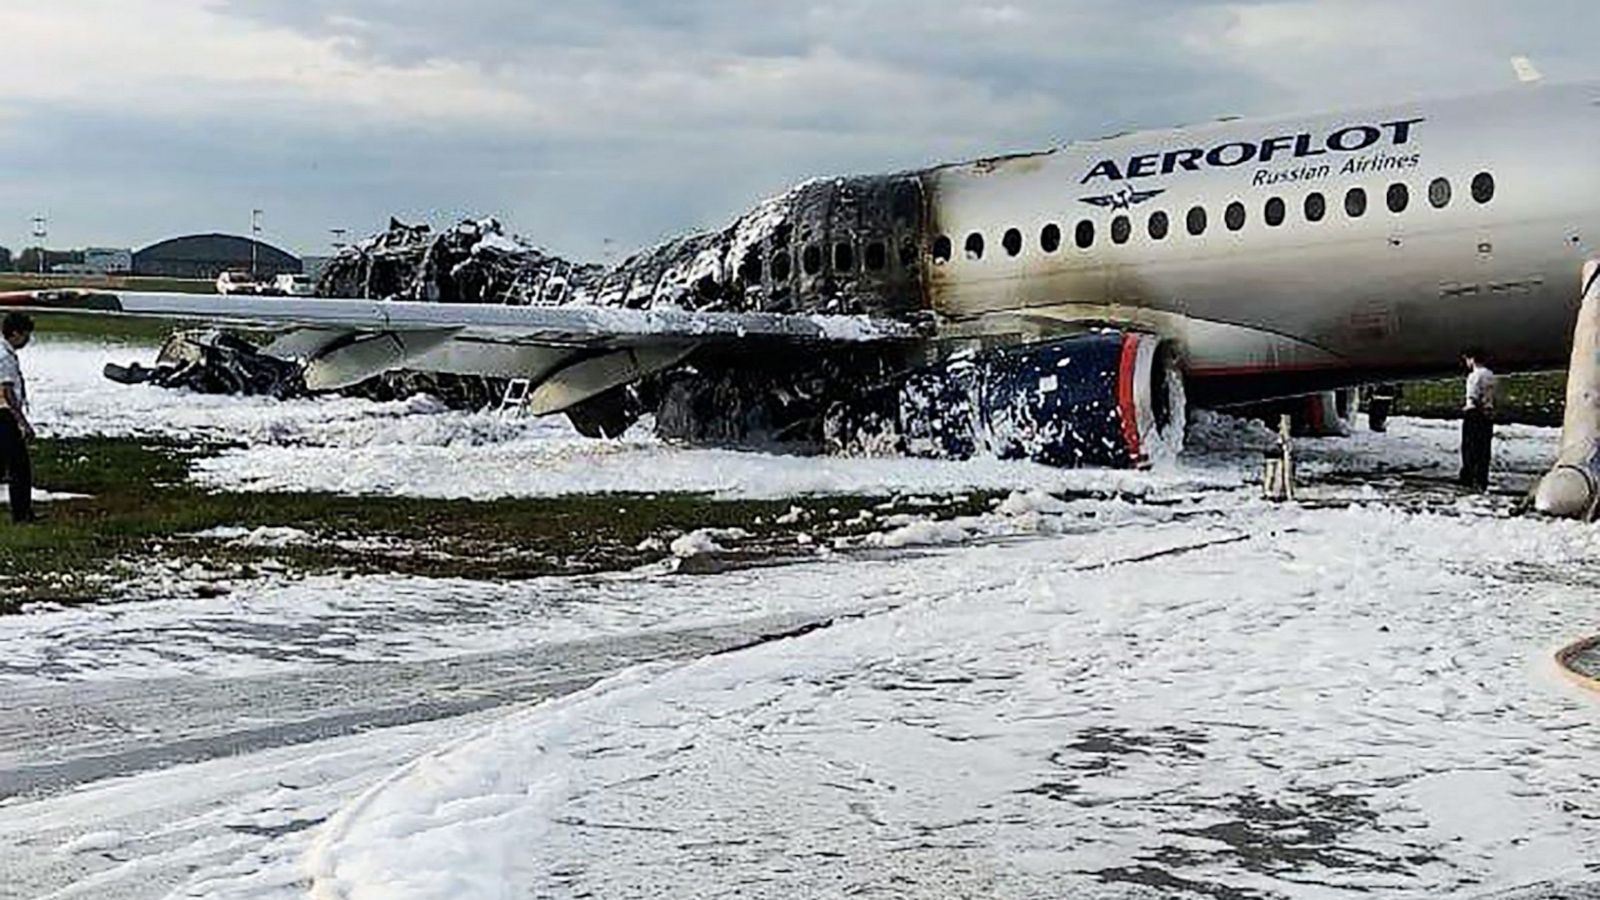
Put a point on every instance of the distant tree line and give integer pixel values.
(28, 260)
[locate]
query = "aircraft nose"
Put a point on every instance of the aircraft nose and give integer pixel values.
(1567, 492)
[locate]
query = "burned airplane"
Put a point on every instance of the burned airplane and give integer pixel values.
(1061, 306)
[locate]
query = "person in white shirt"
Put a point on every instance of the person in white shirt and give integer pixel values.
(15, 429)
(1477, 421)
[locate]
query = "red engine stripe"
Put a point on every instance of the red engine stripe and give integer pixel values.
(1126, 374)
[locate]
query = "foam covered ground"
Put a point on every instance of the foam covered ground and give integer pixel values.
(1276, 703)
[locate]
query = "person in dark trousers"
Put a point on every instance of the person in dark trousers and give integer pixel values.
(1477, 420)
(15, 429)
(1380, 404)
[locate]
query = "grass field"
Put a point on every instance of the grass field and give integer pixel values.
(141, 512)
(120, 328)
(1536, 398)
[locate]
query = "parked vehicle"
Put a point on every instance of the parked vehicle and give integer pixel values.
(238, 283)
(295, 285)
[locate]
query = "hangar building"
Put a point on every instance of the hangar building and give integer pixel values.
(209, 255)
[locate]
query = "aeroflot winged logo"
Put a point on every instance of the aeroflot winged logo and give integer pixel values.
(1291, 157)
(1125, 198)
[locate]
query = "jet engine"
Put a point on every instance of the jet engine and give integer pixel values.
(1107, 399)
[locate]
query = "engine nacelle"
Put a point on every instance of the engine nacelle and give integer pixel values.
(1104, 399)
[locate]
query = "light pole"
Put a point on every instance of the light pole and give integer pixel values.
(255, 239)
(41, 231)
(338, 238)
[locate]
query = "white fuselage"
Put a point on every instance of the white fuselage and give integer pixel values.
(1258, 308)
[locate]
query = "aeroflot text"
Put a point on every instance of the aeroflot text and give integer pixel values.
(1353, 139)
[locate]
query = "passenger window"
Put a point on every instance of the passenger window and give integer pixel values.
(1483, 187)
(1277, 211)
(781, 266)
(943, 249)
(1197, 221)
(751, 270)
(975, 246)
(908, 252)
(844, 257)
(877, 257)
(1399, 198)
(1355, 203)
(1085, 234)
(1012, 242)
(1234, 216)
(1316, 207)
(1160, 226)
(1439, 193)
(1121, 229)
(811, 259)
(1050, 238)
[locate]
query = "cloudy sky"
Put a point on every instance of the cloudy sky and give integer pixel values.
(596, 126)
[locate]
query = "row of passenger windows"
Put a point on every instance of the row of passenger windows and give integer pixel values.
(874, 258)
(1197, 221)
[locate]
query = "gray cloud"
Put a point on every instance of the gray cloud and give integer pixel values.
(625, 120)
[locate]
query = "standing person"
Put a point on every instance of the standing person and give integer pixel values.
(15, 429)
(1477, 420)
(1380, 404)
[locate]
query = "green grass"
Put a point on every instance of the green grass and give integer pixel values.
(141, 507)
(1536, 398)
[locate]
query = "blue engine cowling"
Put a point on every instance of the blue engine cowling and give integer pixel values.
(1105, 399)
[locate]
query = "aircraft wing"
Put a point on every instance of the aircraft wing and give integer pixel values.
(574, 325)
(567, 353)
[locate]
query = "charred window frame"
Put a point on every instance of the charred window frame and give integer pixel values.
(751, 270)
(844, 257)
(1276, 212)
(876, 257)
(1012, 241)
(974, 246)
(908, 254)
(782, 266)
(1159, 226)
(811, 260)
(1050, 238)
(943, 249)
